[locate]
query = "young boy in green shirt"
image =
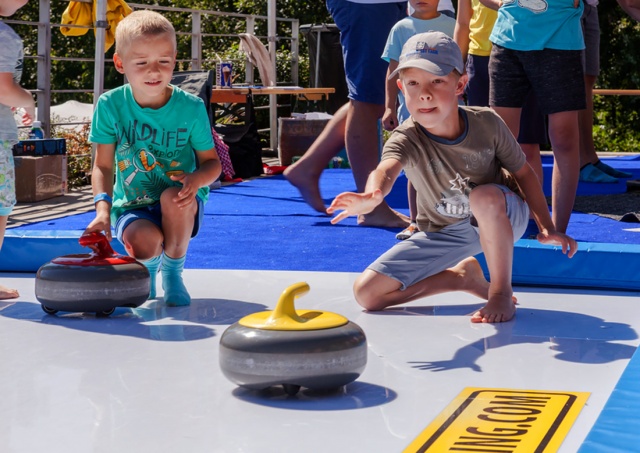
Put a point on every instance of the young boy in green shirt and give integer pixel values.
(158, 139)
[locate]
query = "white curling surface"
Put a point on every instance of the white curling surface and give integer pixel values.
(148, 380)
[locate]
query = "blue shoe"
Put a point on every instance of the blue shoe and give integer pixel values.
(589, 173)
(612, 171)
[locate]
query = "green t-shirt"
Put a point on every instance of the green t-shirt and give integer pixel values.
(151, 144)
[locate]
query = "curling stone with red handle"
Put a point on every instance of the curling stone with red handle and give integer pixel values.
(294, 348)
(99, 281)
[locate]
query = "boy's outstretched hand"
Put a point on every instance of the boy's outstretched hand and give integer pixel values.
(568, 244)
(351, 204)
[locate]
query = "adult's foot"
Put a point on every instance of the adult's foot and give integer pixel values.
(8, 293)
(611, 171)
(307, 183)
(499, 308)
(384, 216)
(590, 173)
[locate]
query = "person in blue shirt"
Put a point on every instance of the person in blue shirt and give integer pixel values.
(158, 139)
(425, 16)
(537, 45)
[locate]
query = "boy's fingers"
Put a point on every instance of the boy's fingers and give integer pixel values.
(343, 215)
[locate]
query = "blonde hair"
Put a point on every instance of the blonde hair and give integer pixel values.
(142, 23)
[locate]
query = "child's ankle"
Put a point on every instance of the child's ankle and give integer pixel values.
(175, 293)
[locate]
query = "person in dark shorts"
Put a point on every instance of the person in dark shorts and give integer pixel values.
(537, 46)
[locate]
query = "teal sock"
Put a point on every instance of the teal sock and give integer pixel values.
(153, 265)
(175, 293)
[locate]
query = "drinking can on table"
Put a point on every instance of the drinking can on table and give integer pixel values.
(224, 74)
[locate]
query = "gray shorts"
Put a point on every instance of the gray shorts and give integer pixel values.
(7, 178)
(427, 254)
(555, 76)
(591, 33)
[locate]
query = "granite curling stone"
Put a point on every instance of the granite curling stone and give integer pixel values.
(293, 348)
(98, 282)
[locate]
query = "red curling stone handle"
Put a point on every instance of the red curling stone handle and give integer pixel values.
(101, 253)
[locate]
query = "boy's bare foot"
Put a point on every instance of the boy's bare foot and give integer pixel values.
(307, 184)
(473, 278)
(499, 308)
(384, 216)
(8, 293)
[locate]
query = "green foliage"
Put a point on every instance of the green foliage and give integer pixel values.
(616, 116)
(78, 153)
(615, 119)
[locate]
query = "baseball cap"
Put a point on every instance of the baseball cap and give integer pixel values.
(434, 52)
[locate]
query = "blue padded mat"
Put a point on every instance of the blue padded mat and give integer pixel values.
(264, 224)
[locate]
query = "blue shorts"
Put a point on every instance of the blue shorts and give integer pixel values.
(153, 214)
(555, 76)
(7, 178)
(427, 254)
(364, 29)
(533, 124)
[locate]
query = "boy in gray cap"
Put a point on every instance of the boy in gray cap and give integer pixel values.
(472, 179)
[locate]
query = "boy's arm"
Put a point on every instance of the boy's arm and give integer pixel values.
(530, 186)
(13, 95)
(379, 184)
(209, 167)
(461, 31)
(390, 117)
(102, 182)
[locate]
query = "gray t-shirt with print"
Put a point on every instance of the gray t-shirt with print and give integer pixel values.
(444, 172)
(11, 59)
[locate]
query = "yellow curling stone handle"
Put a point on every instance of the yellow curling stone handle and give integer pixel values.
(285, 316)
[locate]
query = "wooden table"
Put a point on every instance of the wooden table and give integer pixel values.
(238, 95)
(230, 101)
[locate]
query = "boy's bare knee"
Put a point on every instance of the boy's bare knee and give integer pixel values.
(364, 296)
(142, 251)
(142, 243)
(487, 200)
(169, 194)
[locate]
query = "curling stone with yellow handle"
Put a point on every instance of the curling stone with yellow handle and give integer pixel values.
(98, 282)
(315, 349)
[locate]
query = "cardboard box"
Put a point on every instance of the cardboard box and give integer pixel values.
(296, 135)
(40, 177)
(45, 147)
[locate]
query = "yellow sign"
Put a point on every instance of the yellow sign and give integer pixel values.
(502, 421)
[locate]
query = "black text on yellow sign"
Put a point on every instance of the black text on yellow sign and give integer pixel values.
(502, 421)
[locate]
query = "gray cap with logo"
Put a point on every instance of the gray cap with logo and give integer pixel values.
(434, 52)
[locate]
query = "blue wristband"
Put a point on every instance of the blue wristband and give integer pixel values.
(102, 197)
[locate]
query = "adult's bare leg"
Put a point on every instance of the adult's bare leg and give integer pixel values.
(564, 136)
(305, 173)
(362, 142)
